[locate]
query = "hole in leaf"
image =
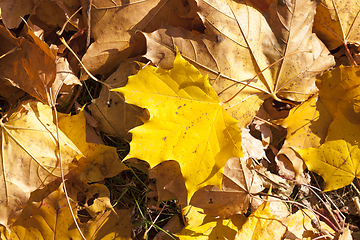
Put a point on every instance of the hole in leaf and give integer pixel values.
(279, 106)
(83, 215)
(91, 200)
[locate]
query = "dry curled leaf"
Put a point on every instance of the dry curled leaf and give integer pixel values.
(239, 186)
(252, 147)
(115, 116)
(113, 23)
(34, 75)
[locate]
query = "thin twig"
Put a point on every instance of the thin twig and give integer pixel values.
(162, 209)
(88, 19)
(82, 65)
(61, 166)
(11, 51)
(59, 32)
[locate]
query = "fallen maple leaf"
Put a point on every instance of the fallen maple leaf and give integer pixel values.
(30, 156)
(265, 223)
(29, 140)
(187, 123)
(47, 215)
(307, 124)
(113, 25)
(239, 186)
(338, 159)
(279, 51)
(339, 92)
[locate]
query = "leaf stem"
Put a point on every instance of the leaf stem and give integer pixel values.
(11, 51)
(355, 188)
(273, 95)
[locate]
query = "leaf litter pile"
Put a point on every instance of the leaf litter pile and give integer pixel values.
(180, 119)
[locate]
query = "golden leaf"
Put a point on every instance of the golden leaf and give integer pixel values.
(30, 157)
(338, 159)
(187, 123)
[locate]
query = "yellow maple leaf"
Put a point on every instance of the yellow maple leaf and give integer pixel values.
(307, 126)
(99, 161)
(338, 159)
(187, 123)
